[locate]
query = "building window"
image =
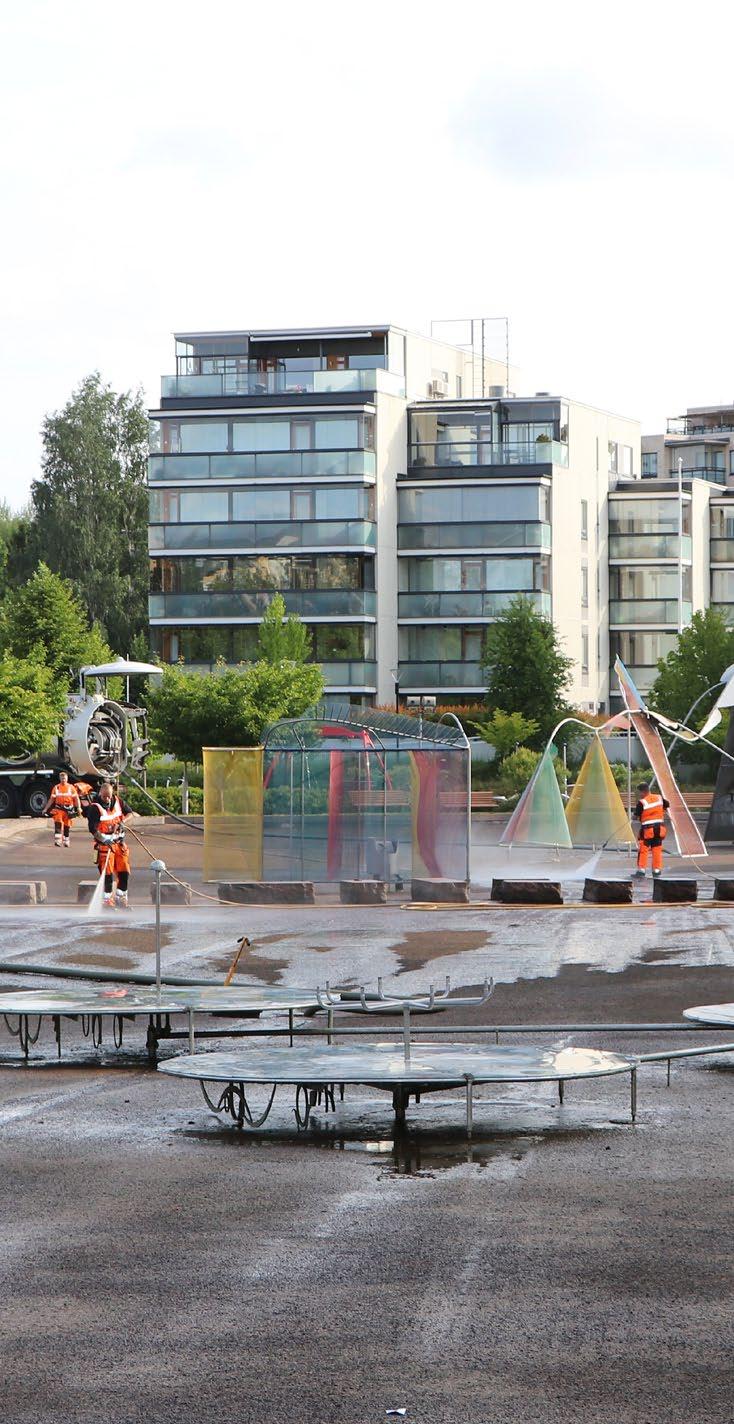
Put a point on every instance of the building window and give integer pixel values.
(627, 454)
(649, 464)
(613, 457)
(584, 586)
(584, 519)
(585, 653)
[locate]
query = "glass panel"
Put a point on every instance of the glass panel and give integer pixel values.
(653, 546)
(473, 536)
(335, 433)
(647, 581)
(261, 504)
(467, 504)
(261, 434)
(203, 505)
(647, 516)
(203, 435)
(650, 610)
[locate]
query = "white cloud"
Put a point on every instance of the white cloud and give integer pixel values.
(172, 165)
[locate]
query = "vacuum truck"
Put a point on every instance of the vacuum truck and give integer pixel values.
(100, 738)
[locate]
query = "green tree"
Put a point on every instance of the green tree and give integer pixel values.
(89, 510)
(506, 731)
(45, 615)
(704, 650)
(526, 670)
(31, 704)
(229, 708)
(280, 638)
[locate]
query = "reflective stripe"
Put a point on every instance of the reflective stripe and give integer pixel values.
(652, 809)
(109, 817)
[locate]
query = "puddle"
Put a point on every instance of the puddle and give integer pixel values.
(418, 948)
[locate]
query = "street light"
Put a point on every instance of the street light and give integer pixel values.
(159, 868)
(395, 673)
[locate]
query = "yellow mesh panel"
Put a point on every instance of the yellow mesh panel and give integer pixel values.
(233, 813)
(595, 810)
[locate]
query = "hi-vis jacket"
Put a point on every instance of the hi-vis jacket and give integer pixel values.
(63, 796)
(650, 809)
(110, 817)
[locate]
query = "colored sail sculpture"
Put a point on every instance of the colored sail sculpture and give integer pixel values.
(539, 817)
(686, 832)
(595, 812)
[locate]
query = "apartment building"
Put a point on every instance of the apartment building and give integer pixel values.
(396, 494)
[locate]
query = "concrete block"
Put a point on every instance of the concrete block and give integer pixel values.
(268, 892)
(526, 892)
(442, 891)
(172, 894)
(674, 892)
(363, 892)
(41, 892)
(608, 892)
(84, 891)
(724, 889)
(18, 892)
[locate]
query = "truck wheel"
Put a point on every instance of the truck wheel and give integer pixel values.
(35, 797)
(8, 802)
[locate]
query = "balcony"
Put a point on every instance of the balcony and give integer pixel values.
(268, 464)
(281, 383)
(648, 546)
(462, 454)
(357, 534)
(357, 675)
(465, 604)
(475, 536)
(722, 551)
(307, 603)
(441, 674)
(629, 612)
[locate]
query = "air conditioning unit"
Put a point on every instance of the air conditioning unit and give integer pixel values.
(439, 387)
(429, 702)
(412, 701)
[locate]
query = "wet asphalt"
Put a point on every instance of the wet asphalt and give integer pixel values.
(564, 1266)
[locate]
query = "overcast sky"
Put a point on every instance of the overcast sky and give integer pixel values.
(181, 165)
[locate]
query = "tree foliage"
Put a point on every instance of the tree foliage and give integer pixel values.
(44, 619)
(31, 703)
(526, 670)
(229, 708)
(506, 731)
(281, 638)
(703, 652)
(89, 510)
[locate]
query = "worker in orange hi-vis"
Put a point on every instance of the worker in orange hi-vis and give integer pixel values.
(106, 820)
(650, 812)
(63, 805)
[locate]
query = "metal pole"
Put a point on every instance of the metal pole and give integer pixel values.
(406, 1033)
(159, 868)
(680, 543)
(629, 768)
(469, 1104)
(633, 1094)
(192, 1045)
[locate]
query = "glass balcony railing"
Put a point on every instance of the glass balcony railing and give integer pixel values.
(465, 604)
(628, 612)
(324, 603)
(648, 546)
(484, 453)
(722, 551)
(350, 674)
(272, 464)
(276, 383)
(292, 534)
(359, 675)
(494, 535)
(441, 674)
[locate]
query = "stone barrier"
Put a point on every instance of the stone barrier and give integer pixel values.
(172, 893)
(363, 892)
(527, 892)
(724, 889)
(267, 892)
(19, 892)
(441, 891)
(674, 892)
(608, 892)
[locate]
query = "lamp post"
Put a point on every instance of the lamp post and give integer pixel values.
(159, 868)
(680, 543)
(395, 672)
